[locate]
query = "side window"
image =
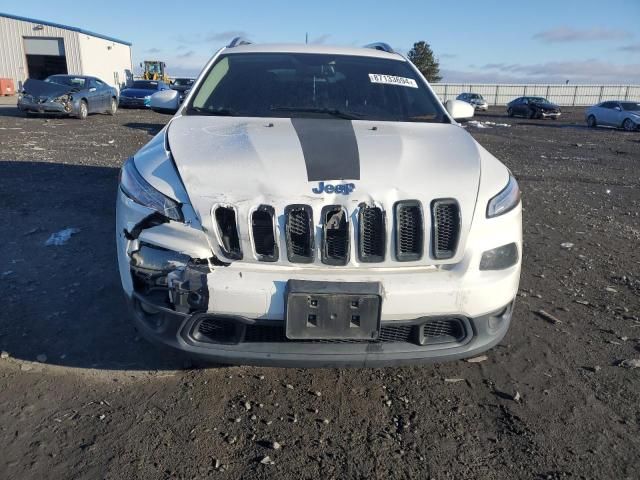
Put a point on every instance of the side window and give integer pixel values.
(525, 101)
(608, 105)
(99, 83)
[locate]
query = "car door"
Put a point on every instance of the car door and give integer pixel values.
(605, 114)
(94, 102)
(105, 94)
(517, 106)
(617, 115)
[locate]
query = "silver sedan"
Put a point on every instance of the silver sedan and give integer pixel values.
(614, 113)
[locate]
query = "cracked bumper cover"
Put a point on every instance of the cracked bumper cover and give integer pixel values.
(253, 294)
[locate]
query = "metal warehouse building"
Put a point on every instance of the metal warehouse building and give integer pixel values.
(32, 48)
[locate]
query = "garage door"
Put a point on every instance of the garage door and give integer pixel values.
(45, 56)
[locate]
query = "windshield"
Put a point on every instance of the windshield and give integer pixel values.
(145, 85)
(538, 100)
(475, 96)
(630, 106)
(315, 85)
(65, 80)
(183, 82)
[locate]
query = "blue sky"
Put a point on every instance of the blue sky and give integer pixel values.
(476, 41)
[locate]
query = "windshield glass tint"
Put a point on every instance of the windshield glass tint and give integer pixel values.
(183, 81)
(315, 85)
(68, 81)
(538, 100)
(630, 106)
(145, 85)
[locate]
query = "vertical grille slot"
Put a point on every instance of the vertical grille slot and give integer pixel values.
(371, 234)
(263, 231)
(446, 228)
(228, 231)
(409, 231)
(335, 228)
(299, 233)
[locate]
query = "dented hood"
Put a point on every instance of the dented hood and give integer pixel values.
(246, 162)
(229, 159)
(39, 88)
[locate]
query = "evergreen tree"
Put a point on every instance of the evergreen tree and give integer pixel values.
(422, 57)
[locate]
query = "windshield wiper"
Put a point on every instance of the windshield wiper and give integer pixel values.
(221, 112)
(334, 112)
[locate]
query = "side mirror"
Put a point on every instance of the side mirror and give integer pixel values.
(459, 110)
(165, 101)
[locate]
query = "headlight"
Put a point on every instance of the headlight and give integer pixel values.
(504, 201)
(138, 189)
(62, 98)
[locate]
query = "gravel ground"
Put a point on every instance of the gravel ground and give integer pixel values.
(81, 396)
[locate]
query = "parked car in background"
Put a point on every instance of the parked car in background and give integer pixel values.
(182, 85)
(140, 91)
(475, 99)
(616, 113)
(68, 95)
(533, 107)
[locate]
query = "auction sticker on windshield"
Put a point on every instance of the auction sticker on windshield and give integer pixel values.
(392, 80)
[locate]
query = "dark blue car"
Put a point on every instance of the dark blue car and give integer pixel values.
(139, 93)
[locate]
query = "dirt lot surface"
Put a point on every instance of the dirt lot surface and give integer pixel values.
(82, 396)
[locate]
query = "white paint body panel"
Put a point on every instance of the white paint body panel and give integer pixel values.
(245, 162)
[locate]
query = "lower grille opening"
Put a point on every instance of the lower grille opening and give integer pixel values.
(446, 228)
(442, 331)
(371, 234)
(335, 250)
(299, 233)
(264, 241)
(228, 230)
(409, 231)
(276, 334)
(217, 330)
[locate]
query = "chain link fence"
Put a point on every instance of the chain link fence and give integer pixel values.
(564, 95)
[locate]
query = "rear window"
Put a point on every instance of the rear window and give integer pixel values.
(315, 85)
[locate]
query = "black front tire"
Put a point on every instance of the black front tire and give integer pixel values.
(532, 114)
(591, 121)
(509, 112)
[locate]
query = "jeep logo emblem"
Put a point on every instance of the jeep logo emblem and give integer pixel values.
(343, 188)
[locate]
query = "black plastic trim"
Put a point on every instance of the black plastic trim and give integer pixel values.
(291, 256)
(273, 257)
(435, 251)
(408, 256)
(325, 254)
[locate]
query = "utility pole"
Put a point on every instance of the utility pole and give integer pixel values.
(306, 37)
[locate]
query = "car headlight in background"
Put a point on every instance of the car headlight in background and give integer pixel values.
(140, 191)
(504, 201)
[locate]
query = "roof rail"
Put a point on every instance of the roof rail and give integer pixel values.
(385, 47)
(237, 41)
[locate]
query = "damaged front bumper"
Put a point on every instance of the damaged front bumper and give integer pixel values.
(182, 296)
(28, 104)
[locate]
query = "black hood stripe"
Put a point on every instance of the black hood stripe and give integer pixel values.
(329, 147)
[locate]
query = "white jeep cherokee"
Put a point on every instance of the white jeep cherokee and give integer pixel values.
(317, 206)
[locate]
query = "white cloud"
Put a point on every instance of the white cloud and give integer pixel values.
(568, 34)
(584, 71)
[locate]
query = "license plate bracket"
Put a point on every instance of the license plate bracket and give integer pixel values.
(333, 310)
